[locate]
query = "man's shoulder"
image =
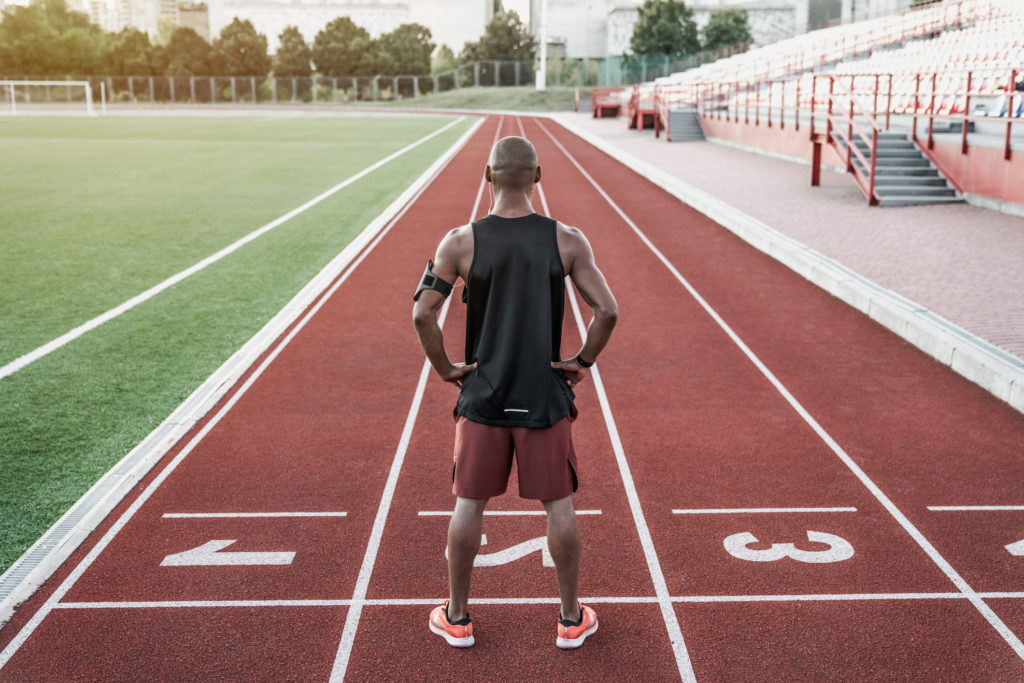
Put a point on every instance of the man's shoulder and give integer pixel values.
(568, 235)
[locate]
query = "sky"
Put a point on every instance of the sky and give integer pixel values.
(520, 6)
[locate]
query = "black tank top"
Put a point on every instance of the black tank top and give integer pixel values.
(515, 298)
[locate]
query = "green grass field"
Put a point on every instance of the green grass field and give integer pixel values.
(96, 210)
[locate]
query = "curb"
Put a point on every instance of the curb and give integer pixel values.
(995, 370)
(37, 564)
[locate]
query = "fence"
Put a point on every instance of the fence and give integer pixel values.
(260, 90)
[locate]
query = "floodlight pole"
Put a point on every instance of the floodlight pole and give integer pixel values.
(542, 72)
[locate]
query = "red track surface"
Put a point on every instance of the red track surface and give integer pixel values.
(701, 428)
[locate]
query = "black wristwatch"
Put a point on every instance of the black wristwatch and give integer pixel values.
(583, 363)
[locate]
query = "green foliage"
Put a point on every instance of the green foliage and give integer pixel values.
(243, 50)
(131, 53)
(293, 56)
(189, 55)
(665, 27)
(506, 38)
(726, 27)
(406, 50)
(444, 60)
(343, 48)
(46, 39)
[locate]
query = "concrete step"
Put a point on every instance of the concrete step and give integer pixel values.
(914, 201)
(914, 191)
(911, 162)
(899, 171)
(930, 181)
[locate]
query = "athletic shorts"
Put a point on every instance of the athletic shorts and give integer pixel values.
(545, 459)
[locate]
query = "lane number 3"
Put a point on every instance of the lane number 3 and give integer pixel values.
(839, 549)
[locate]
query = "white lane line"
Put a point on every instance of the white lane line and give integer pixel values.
(53, 345)
(219, 515)
(993, 619)
(608, 600)
(501, 513)
(745, 511)
(62, 590)
(668, 613)
(976, 508)
(348, 635)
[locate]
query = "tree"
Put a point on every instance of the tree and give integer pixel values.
(293, 55)
(131, 54)
(242, 49)
(45, 39)
(406, 50)
(726, 27)
(444, 60)
(665, 27)
(505, 38)
(343, 49)
(187, 54)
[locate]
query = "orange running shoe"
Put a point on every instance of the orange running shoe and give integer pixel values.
(458, 634)
(571, 634)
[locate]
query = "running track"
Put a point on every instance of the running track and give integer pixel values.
(737, 409)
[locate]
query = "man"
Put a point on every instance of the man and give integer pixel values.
(515, 391)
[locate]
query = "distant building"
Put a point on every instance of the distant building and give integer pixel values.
(602, 28)
(196, 16)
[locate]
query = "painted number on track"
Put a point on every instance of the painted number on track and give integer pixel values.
(208, 554)
(839, 549)
(512, 553)
(1016, 549)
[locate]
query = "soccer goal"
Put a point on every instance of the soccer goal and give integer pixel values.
(47, 92)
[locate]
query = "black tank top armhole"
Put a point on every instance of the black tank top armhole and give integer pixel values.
(558, 253)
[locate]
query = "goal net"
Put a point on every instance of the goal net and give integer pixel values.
(65, 94)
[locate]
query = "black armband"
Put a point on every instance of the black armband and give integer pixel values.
(431, 281)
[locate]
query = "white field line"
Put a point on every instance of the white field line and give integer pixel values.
(501, 513)
(54, 599)
(223, 515)
(668, 613)
(348, 635)
(53, 345)
(747, 511)
(993, 619)
(45, 556)
(976, 508)
(621, 600)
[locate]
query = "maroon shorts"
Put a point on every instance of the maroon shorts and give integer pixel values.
(545, 459)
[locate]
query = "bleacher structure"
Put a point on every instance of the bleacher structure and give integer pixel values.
(919, 107)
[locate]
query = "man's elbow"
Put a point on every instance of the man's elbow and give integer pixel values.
(421, 319)
(609, 315)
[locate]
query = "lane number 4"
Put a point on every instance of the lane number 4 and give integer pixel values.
(839, 549)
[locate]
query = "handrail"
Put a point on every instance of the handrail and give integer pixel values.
(867, 184)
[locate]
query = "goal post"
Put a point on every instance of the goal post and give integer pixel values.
(71, 92)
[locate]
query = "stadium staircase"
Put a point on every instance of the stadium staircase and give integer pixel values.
(683, 125)
(903, 175)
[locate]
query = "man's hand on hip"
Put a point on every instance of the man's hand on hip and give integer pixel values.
(456, 372)
(574, 374)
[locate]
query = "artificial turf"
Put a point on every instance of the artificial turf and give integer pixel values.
(98, 210)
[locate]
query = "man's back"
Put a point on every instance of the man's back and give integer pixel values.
(515, 297)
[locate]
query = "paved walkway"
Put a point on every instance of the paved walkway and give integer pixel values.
(962, 262)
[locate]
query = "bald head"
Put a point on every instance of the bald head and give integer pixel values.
(513, 164)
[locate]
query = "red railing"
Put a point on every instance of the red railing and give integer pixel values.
(845, 103)
(916, 99)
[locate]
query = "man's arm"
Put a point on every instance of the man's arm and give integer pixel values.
(447, 262)
(580, 266)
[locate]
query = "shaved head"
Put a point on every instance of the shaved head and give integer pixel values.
(513, 163)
